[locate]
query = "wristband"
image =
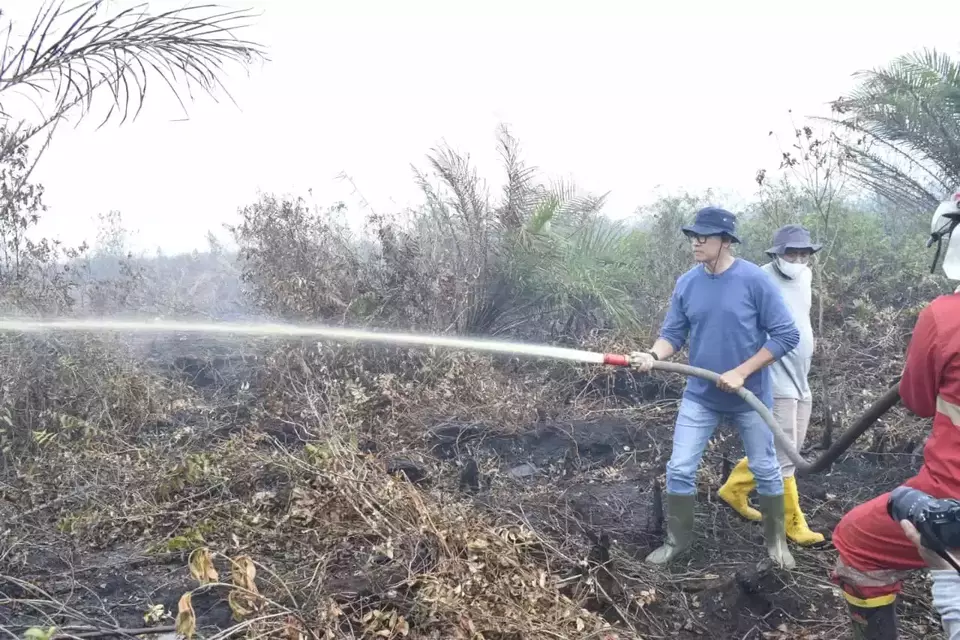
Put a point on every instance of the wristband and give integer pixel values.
(655, 356)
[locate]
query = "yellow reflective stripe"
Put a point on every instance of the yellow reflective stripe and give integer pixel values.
(949, 409)
(870, 603)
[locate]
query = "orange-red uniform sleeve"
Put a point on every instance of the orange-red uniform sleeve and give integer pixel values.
(923, 370)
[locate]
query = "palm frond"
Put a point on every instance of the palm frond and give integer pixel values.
(904, 120)
(73, 54)
(519, 190)
(543, 214)
(469, 197)
(583, 271)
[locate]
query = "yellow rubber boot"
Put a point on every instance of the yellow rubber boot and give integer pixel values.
(736, 489)
(797, 529)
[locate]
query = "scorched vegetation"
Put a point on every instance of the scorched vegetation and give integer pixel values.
(270, 487)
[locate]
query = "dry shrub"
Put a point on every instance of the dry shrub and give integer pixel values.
(540, 261)
(466, 575)
(387, 559)
(70, 387)
(389, 390)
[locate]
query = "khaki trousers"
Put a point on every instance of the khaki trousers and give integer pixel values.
(793, 418)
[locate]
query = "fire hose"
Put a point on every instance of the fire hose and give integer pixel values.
(883, 404)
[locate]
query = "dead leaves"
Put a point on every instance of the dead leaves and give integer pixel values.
(481, 578)
(201, 567)
(203, 571)
(244, 573)
(490, 575)
(385, 624)
(245, 600)
(186, 624)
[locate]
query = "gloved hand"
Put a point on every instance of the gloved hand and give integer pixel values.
(641, 361)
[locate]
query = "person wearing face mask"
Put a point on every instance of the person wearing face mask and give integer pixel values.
(737, 323)
(792, 400)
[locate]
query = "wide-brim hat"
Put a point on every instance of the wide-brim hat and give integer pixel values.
(792, 236)
(713, 221)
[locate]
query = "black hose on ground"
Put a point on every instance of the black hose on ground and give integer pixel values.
(828, 457)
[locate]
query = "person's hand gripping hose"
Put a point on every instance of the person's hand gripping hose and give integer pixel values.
(642, 361)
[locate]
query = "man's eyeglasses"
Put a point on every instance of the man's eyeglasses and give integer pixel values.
(698, 239)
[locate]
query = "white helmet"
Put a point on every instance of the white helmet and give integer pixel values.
(945, 219)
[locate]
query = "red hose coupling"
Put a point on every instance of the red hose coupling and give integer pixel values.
(616, 360)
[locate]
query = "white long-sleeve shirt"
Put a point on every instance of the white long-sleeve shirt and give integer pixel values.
(790, 374)
(946, 600)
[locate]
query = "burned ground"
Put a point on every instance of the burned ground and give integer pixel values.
(724, 589)
(345, 530)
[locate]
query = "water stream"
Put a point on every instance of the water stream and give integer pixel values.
(324, 333)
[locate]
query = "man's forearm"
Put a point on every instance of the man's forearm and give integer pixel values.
(756, 362)
(662, 348)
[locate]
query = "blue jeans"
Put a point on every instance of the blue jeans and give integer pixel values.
(695, 426)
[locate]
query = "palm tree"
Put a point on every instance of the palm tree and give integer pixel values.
(540, 255)
(74, 54)
(905, 121)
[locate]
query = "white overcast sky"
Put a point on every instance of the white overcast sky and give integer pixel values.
(633, 97)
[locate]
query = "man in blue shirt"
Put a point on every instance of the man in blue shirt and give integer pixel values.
(737, 323)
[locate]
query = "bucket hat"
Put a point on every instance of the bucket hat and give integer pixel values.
(792, 236)
(713, 221)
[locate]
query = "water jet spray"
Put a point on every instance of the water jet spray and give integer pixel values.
(881, 406)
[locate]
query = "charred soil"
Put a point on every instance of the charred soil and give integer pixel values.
(349, 532)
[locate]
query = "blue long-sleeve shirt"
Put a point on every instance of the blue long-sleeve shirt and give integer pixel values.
(727, 318)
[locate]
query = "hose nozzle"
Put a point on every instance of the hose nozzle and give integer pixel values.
(616, 360)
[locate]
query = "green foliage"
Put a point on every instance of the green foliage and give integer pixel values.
(874, 256)
(581, 275)
(536, 255)
(187, 540)
(37, 633)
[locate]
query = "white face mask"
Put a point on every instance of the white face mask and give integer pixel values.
(791, 269)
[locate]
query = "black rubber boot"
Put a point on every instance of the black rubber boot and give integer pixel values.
(874, 623)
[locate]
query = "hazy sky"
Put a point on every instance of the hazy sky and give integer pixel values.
(624, 97)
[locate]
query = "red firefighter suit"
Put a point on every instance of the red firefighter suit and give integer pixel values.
(874, 553)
